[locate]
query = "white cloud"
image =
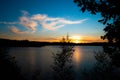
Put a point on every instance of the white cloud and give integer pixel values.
(72, 22)
(16, 30)
(28, 23)
(48, 23)
(39, 17)
(51, 26)
(53, 23)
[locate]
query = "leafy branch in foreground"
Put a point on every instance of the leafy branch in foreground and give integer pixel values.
(62, 68)
(107, 66)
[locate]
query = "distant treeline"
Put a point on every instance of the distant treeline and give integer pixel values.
(20, 43)
(27, 43)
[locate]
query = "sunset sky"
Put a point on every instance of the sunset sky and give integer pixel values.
(47, 20)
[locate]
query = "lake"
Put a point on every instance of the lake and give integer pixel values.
(40, 59)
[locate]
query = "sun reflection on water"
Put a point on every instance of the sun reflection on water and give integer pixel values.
(77, 56)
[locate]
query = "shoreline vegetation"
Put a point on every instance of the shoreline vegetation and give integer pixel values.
(27, 43)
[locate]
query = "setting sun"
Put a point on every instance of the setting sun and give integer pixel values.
(76, 39)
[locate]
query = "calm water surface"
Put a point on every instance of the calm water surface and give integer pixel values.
(32, 59)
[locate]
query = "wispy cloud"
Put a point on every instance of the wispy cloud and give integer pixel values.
(39, 17)
(64, 21)
(51, 26)
(48, 23)
(32, 22)
(4, 22)
(16, 30)
(53, 23)
(28, 23)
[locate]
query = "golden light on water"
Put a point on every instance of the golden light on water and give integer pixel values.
(77, 56)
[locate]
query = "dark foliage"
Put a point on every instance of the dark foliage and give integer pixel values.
(109, 10)
(62, 68)
(107, 66)
(8, 67)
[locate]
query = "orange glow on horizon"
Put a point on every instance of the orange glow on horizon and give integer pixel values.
(76, 39)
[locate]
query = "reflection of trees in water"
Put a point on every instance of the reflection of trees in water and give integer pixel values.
(62, 68)
(8, 67)
(102, 69)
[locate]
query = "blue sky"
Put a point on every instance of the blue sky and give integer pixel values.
(47, 20)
